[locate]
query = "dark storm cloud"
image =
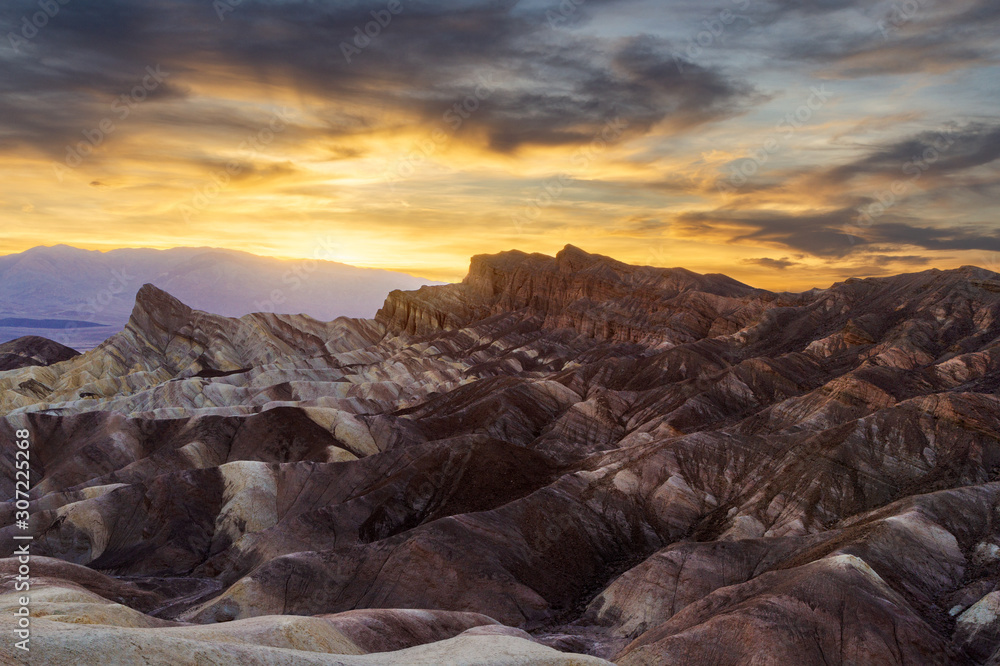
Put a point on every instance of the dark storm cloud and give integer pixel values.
(554, 88)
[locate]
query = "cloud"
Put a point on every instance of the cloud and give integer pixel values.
(896, 181)
(830, 234)
(638, 226)
(553, 87)
(777, 264)
(860, 38)
(553, 91)
(945, 152)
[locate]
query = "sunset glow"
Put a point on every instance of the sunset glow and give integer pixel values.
(753, 139)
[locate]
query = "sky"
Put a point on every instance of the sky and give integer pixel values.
(787, 144)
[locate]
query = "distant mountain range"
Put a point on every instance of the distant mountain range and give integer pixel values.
(81, 297)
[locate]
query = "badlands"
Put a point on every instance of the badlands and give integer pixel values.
(561, 460)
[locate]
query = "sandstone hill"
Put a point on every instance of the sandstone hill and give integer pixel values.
(560, 460)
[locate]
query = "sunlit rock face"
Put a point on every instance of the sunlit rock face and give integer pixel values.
(558, 457)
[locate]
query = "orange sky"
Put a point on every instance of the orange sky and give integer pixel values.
(587, 133)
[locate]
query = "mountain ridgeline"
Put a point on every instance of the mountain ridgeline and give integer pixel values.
(559, 460)
(81, 297)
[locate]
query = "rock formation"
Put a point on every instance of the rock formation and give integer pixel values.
(32, 350)
(559, 460)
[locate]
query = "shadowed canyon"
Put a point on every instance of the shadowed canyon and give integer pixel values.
(560, 460)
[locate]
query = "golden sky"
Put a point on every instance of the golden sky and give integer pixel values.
(659, 134)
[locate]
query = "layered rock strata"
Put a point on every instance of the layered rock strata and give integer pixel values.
(561, 458)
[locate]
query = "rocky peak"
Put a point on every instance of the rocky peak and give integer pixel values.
(572, 259)
(738, 488)
(594, 294)
(152, 300)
